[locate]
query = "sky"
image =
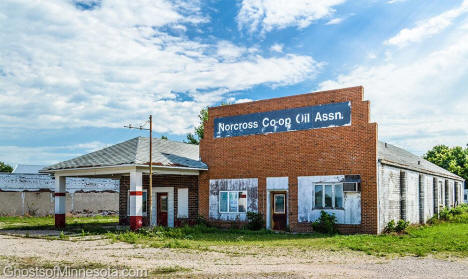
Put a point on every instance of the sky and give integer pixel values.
(73, 73)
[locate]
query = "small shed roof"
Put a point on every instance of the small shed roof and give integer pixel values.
(27, 169)
(136, 152)
(399, 157)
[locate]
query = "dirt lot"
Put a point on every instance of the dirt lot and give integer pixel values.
(224, 262)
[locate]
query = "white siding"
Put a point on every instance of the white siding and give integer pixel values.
(412, 197)
(351, 214)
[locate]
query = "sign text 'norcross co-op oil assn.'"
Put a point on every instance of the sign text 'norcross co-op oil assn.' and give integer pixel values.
(296, 119)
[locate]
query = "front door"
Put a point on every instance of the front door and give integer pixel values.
(162, 209)
(279, 210)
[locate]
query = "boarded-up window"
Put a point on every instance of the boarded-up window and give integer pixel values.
(182, 203)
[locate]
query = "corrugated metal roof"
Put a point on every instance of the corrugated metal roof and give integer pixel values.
(393, 155)
(136, 151)
(28, 169)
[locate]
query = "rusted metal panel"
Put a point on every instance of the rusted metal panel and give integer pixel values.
(247, 184)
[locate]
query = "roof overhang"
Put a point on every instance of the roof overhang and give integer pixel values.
(122, 170)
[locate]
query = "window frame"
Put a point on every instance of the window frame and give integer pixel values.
(228, 201)
(274, 203)
(143, 213)
(333, 195)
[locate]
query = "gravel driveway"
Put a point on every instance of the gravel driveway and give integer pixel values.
(227, 262)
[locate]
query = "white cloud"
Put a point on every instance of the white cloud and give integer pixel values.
(277, 48)
(245, 100)
(419, 101)
(266, 15)
(46, 155)
(428, 27)
(112, 65)
(336, 20)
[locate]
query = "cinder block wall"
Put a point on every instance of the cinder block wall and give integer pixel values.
(176, 181)
(43, 203)
(328, 151)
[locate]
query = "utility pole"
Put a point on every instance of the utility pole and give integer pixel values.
(149, 196)
(149, 205)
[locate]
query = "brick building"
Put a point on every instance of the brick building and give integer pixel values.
(287, 158)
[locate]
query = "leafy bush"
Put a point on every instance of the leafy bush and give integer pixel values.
(325, 224)
(390, 227)
(255, 221)
(399, 227)
(447, 214)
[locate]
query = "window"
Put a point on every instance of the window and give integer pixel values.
(232, 201)
(278, 206)
(329, 196)
(339, 195)
(318, 195)
(144, 203)
(351, 187)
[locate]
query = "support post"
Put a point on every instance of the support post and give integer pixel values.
(60, 201)
(136, 202)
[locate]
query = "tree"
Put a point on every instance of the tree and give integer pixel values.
(5, 168)
(164, 137)
(453, 159)
(199, 132)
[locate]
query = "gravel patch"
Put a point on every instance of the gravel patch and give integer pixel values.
(220, 262)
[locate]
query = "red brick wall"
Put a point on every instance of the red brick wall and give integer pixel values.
(176, 181)
(328, 151)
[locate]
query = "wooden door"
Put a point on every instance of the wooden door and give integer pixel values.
(279, 211)
(162, 209)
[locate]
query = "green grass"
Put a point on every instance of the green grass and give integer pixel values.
(83, 225)
(168, 270)
(446, 238)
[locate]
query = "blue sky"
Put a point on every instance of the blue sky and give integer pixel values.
(72, 73)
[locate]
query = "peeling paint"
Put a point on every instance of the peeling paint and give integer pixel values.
(249, 184)
(351, 212)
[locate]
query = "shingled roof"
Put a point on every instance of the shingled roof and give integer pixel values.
(399, 157)
(135, 152)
